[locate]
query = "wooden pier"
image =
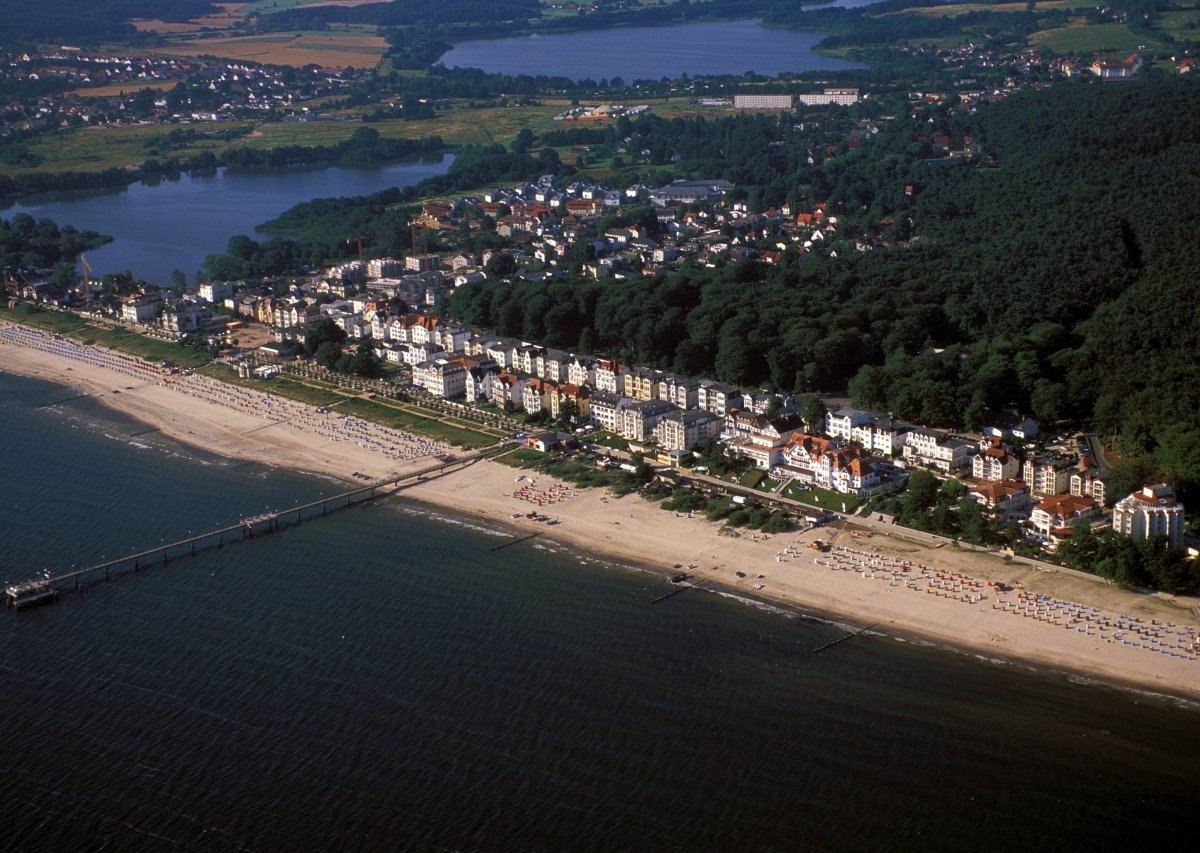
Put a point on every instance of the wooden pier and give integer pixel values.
(45, 588)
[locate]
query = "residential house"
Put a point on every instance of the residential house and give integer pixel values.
(479, 381)
(141, 309)
(1154, 511)
(581, 370)
(841, 423)
(1009, 425)
(760, 438)
(552, 364)
(641, 383)
(451, 338)
(879, 434)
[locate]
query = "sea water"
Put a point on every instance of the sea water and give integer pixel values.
(381, 679)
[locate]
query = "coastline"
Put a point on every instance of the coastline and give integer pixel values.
(631, 532)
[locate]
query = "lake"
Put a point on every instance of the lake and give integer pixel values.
(650, 53)
(382, 679)
(174, 223)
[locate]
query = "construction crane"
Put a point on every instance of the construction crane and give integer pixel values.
(87, 273)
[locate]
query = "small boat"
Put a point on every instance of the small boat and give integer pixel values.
(740, 574)
(679, 577)
(758, 586)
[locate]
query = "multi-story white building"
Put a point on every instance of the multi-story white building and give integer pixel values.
(479, 381)
(1061, 513)
(935, 449)
(1089, 484)
(605, 410)
(507, 390)
(993, 463)
(840, 96)
(215, 291)
(637, 422)
(841, 423)
(1154, 511)
(717, 397)
(762, 102)
(444, 378)
(1046, 476)
(385, 268)
(139, 309)
(682, 392)
(881, 436)
(581, 370)
(610, 377)
(680, 430)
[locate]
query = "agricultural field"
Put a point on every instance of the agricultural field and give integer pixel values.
(230, 16)
(1090, 38)
(1182, 24)
(129, 87)
(93, 149)
(943, 11)
(352, 47)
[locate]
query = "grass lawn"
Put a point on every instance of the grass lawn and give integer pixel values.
(823, 498)
(607, 439)
(752, 478)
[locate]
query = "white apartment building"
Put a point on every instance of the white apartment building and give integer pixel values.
(1154, 511)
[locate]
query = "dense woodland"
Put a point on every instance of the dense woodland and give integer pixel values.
(89, 21)
(28, 243)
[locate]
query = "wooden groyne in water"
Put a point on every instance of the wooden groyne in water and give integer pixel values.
(515, 541)
(849, 636)
(21, 593)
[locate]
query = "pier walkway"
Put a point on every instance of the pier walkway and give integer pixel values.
(45, 587)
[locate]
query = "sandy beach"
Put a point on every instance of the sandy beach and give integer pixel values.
(903, 585)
